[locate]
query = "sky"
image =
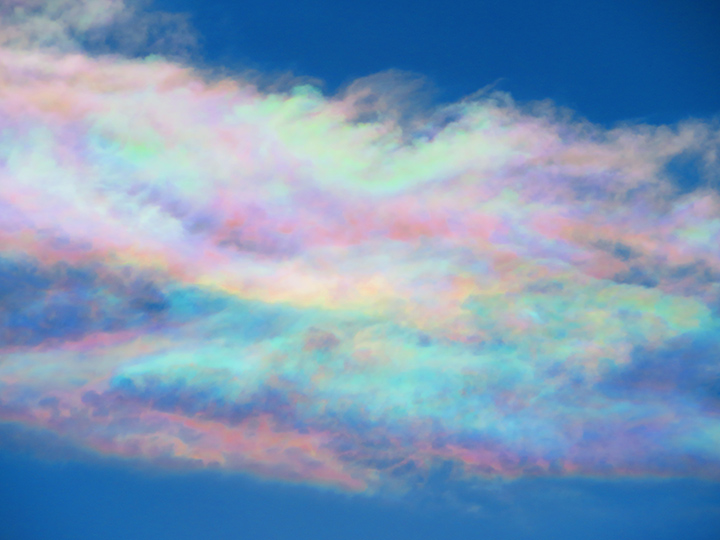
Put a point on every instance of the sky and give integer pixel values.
(391, 270)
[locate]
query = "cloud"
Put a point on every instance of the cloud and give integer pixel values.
(358, 291)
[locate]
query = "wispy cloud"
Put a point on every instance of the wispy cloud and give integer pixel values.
(125, 27)
(347, 290)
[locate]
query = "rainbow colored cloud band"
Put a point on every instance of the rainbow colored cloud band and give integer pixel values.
(204, 273)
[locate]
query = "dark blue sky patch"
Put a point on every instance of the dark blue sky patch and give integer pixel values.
(148, 298)
(698, 271)
(685, 171)
(197, 400)
(618, 250)
(697, 279)
(636, 275)
(62, 302)
(687, 367)
(142, 33)
(20, 281)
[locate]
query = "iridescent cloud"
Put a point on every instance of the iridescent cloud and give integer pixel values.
(325, 290)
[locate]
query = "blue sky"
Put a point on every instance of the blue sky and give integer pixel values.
(654, 61)
(109, 500)
(616, 61)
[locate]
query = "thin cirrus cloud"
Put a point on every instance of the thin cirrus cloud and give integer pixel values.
(197, 271)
